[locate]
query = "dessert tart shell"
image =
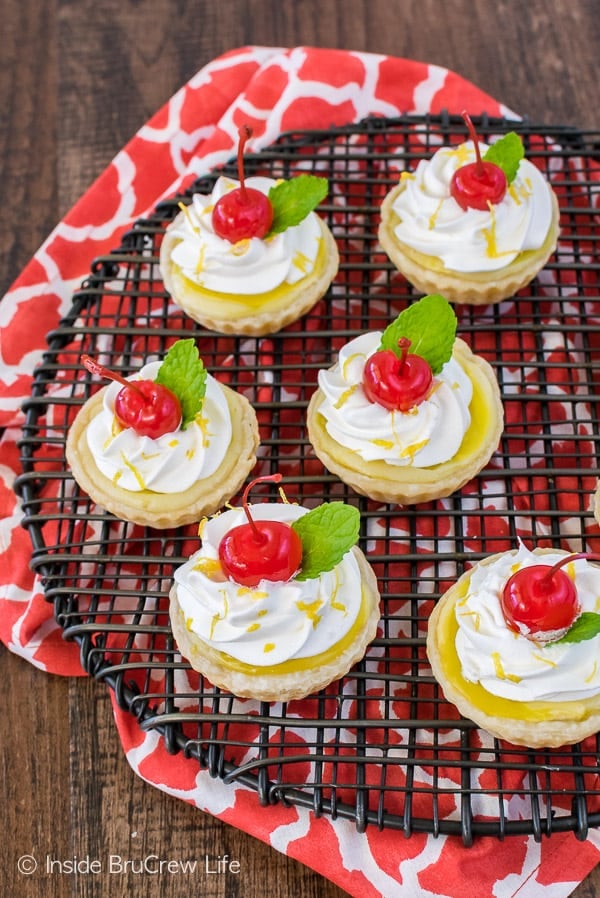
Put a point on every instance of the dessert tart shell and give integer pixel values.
(163, 510)
(537, 724)
(255, 315)
(278, 683)
(409, 485)
(428, 274)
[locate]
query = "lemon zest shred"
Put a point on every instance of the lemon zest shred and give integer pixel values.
(134, 471)
(500, 672)
(186, 211)
(311, 610)
(218, 616)
(592, 675)
(350, 359)
(345, 396)
(434, 215)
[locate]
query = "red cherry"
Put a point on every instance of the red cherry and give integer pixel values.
(149, 408)
(260, 550)
(397, 382)
(540, 601)
(240, 215)
(476, 185)
(535, 602)
(243, 212)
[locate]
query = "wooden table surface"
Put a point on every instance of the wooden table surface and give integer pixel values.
(77, 79)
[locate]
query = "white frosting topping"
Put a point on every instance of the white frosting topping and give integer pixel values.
(247, 267)
(173, 462)
(274, 621)
(430, 433)
(471, 240)
(508, 664)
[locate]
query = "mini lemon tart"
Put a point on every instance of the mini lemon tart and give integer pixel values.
(166, 446)
(232, 311)
(407, 427)
(278, 602)
(514, 645)
(252, 256)
(448, 230)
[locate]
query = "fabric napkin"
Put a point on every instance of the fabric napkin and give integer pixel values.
(274, 90)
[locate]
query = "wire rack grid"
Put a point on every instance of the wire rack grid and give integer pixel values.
(381, 746)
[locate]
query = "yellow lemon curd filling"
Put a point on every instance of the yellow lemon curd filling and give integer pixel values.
(235, 305)
(485, 701)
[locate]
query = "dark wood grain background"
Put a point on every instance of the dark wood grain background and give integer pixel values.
(77, 79)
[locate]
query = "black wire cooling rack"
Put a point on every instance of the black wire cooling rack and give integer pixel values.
(381, 746)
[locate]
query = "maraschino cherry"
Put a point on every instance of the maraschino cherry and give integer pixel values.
(149, 408)
(397, 382)
(540, 601)
(479, 183)
(243, 212)
(260, 550)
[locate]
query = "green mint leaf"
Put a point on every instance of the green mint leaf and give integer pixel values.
(430, 325)
(327, 533)
(293, 200)
(585, 627)
(183, 372)
(506, 153)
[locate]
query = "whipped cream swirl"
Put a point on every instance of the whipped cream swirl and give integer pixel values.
(273, 622)
(173, 462)
(471, 240)
(430, 433)
(247, 267)
(508, 664)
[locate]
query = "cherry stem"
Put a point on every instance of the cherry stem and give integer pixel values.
(245, 133)
(273, 478)
(555, 567)
(473, 135)
(404, 344)
(95, 367)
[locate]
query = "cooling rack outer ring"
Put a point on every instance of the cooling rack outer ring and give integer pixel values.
(381, 747)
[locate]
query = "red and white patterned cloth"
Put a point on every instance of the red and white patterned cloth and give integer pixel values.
(274, 90)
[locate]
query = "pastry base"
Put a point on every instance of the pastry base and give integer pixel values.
(162, 510)
(535, 724)
(428, 274)
(251, 315)
(409, 485)
(276, 684)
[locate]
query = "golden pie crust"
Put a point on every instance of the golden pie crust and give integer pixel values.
(409, 485)
(428, 274)
(162, 510)
(278, 683)
(534, 724)
(251, 315)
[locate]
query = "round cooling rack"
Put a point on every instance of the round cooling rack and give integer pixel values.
(381, 746)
